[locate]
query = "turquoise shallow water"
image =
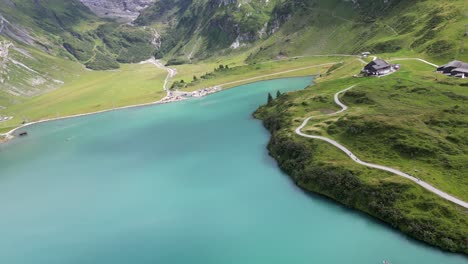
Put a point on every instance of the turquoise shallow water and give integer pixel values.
(189, 182)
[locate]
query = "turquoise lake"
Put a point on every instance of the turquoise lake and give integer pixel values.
(188, 182)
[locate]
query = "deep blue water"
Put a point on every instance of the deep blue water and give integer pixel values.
(189, 182)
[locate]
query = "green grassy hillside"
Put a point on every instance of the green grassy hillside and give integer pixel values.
(267, 30)
(433, 29)
(58, 27)
(413, 120)
(89, 91)
(44, 46)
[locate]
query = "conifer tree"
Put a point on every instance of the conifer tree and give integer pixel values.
(270, 98)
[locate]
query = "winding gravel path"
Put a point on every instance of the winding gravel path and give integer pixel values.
(418, 59)
(425, 185)
(171, 73)
(276, 73)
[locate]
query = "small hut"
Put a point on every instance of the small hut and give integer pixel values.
(460, 72)
(377, 67)
(448, 68)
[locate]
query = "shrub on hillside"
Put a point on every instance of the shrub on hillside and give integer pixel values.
(357, 97)
(429, 35)
(334, 67)
(292, 156)
(176, 61)
(440, 47)
(405, 24)
(389, 46)
(130, 44)
(102, 62)
(80, 46)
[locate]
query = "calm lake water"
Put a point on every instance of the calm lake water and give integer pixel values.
(189, 182)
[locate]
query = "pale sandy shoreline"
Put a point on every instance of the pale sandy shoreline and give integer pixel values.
(172, 96)
(168, 99)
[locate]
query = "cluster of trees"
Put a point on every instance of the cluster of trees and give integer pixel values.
(270, 98)
(381, 198)
(221, 68)
(182, 83)
(178, 84)
(292, 156)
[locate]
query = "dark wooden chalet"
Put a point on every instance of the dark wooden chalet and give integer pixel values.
(377, 67)
(449, 67)
(460, 72)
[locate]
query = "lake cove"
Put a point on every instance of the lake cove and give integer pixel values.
(188, 182)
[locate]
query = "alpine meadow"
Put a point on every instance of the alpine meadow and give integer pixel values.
(364, 106)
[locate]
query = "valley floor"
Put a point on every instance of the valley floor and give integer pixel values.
(146, 83)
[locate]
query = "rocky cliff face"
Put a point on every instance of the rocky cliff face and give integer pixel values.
(15, 32)
(123, 10)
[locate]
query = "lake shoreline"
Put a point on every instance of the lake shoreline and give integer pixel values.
(135, 169)
(177, 97)
(166, 100)
(297, 158)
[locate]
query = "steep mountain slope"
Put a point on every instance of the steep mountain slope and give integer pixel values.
(44, 41)
(70, 25)
(432, 28)
(198, 28)
(31, 60)
(124, 10)
(302, 27)
(17, 75)
(44, 45)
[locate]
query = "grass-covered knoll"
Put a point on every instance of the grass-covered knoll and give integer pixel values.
(412, 120)
(418, 125)
(229, 75)
(90, 91)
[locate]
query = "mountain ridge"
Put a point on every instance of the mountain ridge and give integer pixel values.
(275, 28)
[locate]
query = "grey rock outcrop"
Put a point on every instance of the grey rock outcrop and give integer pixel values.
(123, 10)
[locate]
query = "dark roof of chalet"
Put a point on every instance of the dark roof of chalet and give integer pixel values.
(456, 64)
(464, 70)
(377, 64)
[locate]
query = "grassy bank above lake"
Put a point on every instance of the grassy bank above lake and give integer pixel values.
(91, 91)
(413, 120)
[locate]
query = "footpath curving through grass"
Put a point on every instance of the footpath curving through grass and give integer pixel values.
(353, 157)
(413, 120)
(234, 76)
